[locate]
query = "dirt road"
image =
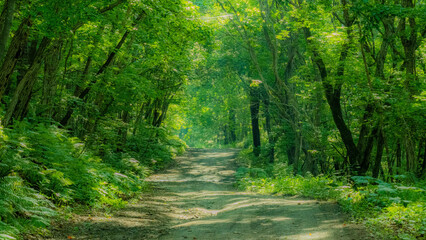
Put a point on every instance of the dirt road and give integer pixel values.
(196, 199)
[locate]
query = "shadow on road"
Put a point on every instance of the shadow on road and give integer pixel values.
(196, 199)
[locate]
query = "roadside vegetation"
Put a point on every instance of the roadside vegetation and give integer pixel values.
(47, 175)
(85, 88)
(395, 209)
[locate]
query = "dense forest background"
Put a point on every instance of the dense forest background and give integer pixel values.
(326, 98)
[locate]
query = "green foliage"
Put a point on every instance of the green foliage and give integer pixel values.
(156, 147)
(94, 123)
(42, 168)
(391, 210)
(22, 209)
(400, 222)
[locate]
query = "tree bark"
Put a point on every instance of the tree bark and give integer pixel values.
(161, 113)
(5, 25)
(398, 157)
(22, 96)
(51, 67)
(410, 154)
(423, 171)
(14, 52)
(332, 93)
(379, 152)
(232, 126)
(409, 42)
(333, 90)
(254, 113)
(271, 147)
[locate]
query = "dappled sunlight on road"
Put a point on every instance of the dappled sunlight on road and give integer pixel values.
(197, 200)
(204, 204)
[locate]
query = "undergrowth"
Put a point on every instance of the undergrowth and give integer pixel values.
(390, 210)
(44, 171)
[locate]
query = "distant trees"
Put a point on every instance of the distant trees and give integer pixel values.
(362, 59)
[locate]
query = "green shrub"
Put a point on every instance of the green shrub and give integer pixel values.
(400, 222)
(22, 209)
(43, 169)
(154, 147)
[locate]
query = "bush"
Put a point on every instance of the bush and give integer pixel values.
(43, 169)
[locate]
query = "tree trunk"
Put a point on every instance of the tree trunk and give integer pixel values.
(332, 93)
(379, 152)
(410, 154)
(22, 96)
(13, 54)
(423, 171)
(5, 24)
(310, 164)
(398, 157)
(226, 134)
(271, 146)
(409, 42)
(138, 118)
(232, 126)
(101, 70)
(333, 87)
(51, 67)
(298, 139)
(254, 113)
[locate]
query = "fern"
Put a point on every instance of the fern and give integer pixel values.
(41, 167)
(21, 207)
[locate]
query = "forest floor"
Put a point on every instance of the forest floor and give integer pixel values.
(196, 199)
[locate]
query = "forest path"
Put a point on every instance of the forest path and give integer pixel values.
(196, 199)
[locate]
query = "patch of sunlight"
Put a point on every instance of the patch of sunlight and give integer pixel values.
(202, 222)
(280, 219)
(257, 202)
(331, 221)
(309, 235)
(242, 204)
(204, 193)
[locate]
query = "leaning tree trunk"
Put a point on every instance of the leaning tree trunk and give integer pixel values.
(22, 96)
(333, 89)
(332, 93)
(161, 114)
(5, 24)
(13, 54)
(51, 67)
(102, 69)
